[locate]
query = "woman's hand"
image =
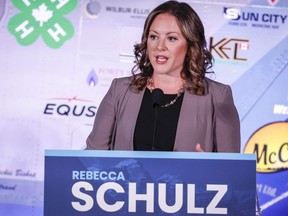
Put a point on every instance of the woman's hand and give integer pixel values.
(198, 148)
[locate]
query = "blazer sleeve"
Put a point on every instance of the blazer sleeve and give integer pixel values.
(100, 137)
(227, 123)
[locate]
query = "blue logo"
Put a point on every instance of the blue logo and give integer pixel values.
(240, 15)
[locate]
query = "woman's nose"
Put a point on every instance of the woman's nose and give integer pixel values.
(161, 45)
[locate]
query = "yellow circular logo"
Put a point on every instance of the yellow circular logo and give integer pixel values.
(270, 144)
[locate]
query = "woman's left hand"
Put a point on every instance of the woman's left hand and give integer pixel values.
(198, 148)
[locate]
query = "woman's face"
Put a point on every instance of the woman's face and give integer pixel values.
(166, 45)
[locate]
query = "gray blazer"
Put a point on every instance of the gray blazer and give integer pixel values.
(211, 120)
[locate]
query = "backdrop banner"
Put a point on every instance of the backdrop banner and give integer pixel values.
(155, 183)
(59, 57)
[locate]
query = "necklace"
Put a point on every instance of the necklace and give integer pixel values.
(150, 82)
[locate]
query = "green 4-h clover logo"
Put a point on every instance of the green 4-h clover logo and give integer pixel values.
(42, 17)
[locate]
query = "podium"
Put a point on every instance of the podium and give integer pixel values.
(87, 183)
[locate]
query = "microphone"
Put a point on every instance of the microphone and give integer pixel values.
(157, 95)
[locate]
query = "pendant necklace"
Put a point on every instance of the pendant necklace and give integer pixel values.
(180, 91)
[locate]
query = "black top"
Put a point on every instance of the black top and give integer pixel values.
(164, 118)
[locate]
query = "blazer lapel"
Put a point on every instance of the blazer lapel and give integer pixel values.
(128, 113)
(187, 124)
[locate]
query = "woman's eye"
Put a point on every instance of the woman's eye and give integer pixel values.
(172, 39)
(153, 37)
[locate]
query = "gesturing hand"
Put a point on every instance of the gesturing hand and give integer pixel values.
(198, 148)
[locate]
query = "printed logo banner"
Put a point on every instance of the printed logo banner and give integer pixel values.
(59, 57)
(154, 183)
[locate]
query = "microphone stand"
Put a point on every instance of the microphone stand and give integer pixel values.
(156, 107)
(157, 95)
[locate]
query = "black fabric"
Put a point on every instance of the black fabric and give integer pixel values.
(167, 119)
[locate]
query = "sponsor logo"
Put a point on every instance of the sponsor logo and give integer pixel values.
(18, 173)
(92, 78)
(43, 18)
(229, 48)
(92, 9)
(8, 187)
(133, 12)
(67, 107)
(280, 109)
(139, 11)
(102, 77)
(270, 144)
(242, 17)
(273, 2)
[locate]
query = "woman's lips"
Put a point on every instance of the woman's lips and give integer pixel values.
(161, 59)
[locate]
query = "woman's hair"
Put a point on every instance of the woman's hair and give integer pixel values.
(198, 59)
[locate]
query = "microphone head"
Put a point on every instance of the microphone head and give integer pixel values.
(157, 95)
